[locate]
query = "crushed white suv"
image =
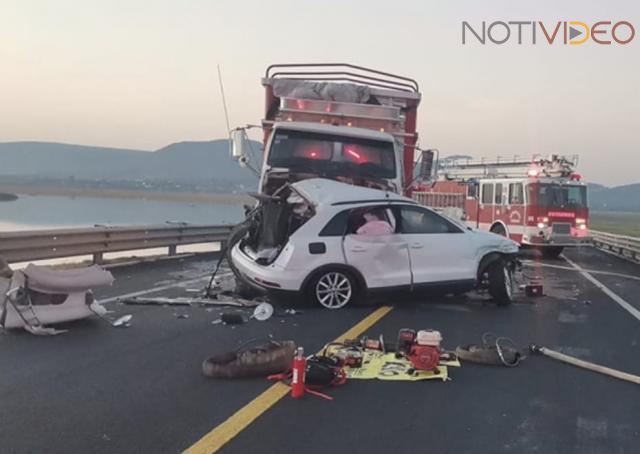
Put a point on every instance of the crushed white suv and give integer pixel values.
(304, 241)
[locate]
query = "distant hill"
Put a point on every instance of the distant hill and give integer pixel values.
(619, 198)
(183, 161)
(189, 162)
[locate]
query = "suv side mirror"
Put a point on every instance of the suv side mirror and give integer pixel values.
(238, 143)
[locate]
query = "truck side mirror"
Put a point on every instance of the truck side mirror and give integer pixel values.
(238, 143)
(426, 164)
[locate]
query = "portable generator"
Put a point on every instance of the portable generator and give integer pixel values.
(422, 349)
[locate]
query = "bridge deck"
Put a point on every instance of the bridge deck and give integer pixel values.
(104, 390)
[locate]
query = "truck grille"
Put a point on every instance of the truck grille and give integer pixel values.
(561, 228)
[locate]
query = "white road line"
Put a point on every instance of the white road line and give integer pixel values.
(626, 306)
(569, 268)
(161, 288)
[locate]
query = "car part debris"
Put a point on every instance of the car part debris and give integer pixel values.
(262, 312)
(584, 364)
(120, 322)
(494, 351)
(184, 301)
(267, 358)
(38, 330)
(232, 318)
(5, 270)
(39, 296)
(533, 290)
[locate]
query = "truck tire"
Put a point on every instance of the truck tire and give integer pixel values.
(500, 283)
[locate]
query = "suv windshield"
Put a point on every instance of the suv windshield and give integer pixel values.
(561, 196)
(332, 154)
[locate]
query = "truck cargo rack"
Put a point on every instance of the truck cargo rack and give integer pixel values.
(342, 72)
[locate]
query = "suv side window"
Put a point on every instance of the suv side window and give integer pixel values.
(337, 226)
(414, 219)
(348, 221)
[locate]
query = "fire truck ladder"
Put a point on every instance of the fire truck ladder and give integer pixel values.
(516, 167)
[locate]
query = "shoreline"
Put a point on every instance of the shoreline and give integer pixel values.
(190, 197)
(8, 196)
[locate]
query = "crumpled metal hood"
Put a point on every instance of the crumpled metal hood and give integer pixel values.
(321, 191)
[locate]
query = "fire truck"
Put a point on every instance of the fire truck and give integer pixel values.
(539, 202)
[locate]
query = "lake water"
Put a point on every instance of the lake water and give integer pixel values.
(44, 212)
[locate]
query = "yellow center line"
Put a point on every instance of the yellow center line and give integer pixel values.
(225, 432)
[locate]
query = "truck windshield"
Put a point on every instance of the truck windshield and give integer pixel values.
(561, 195)
(332, 154)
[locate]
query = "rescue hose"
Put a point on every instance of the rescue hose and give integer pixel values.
(585, 364)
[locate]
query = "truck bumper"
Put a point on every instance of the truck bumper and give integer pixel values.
(557, 240)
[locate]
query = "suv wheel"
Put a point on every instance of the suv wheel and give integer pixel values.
(500, 283)
(333, 289)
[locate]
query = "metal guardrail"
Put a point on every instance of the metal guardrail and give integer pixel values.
(95, 241)
(622, 245)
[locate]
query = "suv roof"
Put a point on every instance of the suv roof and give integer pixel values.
(321, 191)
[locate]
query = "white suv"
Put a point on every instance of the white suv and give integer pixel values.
(304, 241)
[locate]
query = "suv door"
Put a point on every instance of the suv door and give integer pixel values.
(440, 251)
(383, 260)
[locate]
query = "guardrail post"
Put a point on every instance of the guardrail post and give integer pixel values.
(173, 249)
(97, 258)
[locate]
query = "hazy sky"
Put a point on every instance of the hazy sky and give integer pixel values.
(142, 74)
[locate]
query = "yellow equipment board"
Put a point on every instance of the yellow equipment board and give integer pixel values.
(385, 366)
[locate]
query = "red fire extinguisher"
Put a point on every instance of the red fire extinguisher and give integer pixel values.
(298, 368)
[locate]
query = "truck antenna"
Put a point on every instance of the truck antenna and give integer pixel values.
(224, 101)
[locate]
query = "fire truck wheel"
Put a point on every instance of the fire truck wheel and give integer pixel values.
(551, 252)
(500, 283)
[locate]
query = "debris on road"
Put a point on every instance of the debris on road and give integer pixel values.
(262, 312)
(263, 359)
(494, 351)
(232, 318)
(187, 301)
(38, 296)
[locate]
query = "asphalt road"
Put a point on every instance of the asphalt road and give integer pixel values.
(106, 390)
